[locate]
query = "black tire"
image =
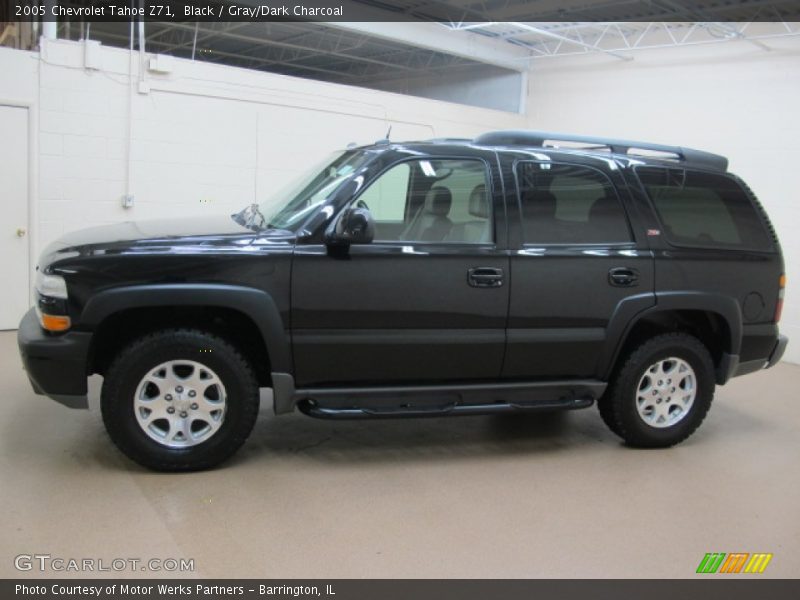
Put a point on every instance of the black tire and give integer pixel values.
(604, 406)
(618, 406)
(132, 364)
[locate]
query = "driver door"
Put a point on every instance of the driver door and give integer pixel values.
(426, 301)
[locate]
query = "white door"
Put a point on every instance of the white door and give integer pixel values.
(14, 264)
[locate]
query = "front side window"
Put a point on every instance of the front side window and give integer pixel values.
(703, 209)
(431, 200)
(569, 204)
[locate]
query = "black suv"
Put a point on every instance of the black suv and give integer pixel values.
(517, 271)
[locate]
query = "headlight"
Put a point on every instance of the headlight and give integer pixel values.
(51, 302)
(52, 286)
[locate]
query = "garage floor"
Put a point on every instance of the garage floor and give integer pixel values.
(536, 496)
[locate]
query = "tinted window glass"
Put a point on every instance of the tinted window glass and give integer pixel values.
(567, 204)
(703, 209)
(431, 201)
(386, 197)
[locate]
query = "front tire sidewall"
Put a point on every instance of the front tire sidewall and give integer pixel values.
(125, 375)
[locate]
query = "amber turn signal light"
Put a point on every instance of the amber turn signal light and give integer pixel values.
(54, 322)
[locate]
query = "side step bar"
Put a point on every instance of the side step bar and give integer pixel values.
(312, 409)
(431, 400)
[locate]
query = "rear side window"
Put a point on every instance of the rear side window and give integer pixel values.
(703, 209)
(569, 204)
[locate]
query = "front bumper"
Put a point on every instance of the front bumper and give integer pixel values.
(56, 364)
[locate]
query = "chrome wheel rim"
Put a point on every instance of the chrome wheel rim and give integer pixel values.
(666, 392)
(180, 403)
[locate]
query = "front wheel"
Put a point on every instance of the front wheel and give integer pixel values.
(179, 400)
(662, 393)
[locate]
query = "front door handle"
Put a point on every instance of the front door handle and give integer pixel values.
(485, 277)
(623, 277)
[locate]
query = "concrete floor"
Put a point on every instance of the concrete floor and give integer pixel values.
(541, 496)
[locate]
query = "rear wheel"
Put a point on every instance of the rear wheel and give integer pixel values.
(179, 400)
(662, 393)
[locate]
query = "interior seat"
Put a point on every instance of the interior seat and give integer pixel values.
(435, 224)
(606, 221)
(477, 231)
(539, 216)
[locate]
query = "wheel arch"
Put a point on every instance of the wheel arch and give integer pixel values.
(245, 315)
(713, 318)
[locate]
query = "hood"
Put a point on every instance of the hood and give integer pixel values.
(208, 234)
(152, 229)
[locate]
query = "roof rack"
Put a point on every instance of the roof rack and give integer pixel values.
(538, 138)
(450, 140)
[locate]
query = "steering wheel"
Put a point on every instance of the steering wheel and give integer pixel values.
(361, 204)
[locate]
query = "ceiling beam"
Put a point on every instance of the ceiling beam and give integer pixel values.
(267, 41)
(565, 39)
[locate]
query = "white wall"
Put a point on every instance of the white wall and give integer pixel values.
(734, 99)
(204, 138)
(485, 85)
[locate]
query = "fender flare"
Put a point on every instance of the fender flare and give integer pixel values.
(258, 305)
(625, 319)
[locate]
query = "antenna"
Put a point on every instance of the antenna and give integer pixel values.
(388, 133)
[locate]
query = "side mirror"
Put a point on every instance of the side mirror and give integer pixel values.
(354, 226)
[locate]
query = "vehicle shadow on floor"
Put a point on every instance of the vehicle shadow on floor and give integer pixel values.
(390, 440)
(418, 438)
(373, 441)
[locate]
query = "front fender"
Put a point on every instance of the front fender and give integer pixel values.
(256, 304)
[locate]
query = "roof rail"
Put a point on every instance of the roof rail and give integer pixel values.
(450, 140)
(524, 137)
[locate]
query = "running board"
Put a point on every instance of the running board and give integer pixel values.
(435, 401)
(312, 409)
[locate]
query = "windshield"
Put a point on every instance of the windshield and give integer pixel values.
(290, 207)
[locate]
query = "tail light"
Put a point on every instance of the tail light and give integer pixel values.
(779, 304)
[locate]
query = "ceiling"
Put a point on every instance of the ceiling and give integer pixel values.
(623, 39)
(506, 34)
(588, 10)
(304, 49)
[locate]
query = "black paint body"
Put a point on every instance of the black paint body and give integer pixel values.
(400, 314)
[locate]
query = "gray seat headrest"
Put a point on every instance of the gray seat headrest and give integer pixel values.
(478, 202)
(438, 201)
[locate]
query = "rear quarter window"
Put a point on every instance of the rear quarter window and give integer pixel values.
(704, 209)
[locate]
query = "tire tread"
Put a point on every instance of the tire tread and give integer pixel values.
(614, 408)
(111, 391)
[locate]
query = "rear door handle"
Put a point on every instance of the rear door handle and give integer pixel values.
(485, 277)
(623, 277)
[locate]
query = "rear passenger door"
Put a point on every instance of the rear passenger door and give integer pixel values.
(575, 264)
